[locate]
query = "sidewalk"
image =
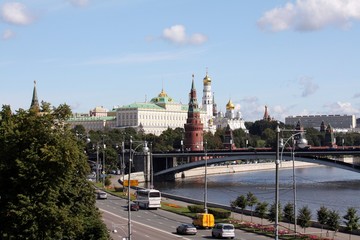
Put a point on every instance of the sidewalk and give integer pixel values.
(328, 234)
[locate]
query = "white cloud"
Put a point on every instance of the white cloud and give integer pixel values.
(16, 13)
(177, 34)
(79, 3)
(309, 87)
(341, 108)
(8, 34)
(309, 15)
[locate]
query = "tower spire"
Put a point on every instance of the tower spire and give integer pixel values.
(34, 101)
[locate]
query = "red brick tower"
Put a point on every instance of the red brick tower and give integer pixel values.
(193, 126)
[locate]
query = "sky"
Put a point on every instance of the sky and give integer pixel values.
(299, 57)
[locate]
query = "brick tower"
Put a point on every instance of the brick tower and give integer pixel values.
(193, 126)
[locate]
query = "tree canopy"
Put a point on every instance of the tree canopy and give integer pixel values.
(44, 193)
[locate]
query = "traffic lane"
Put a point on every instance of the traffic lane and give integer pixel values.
(164, 220)
(159, 218)
(119, 229)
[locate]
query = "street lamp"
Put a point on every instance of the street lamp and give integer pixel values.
(301, 142)
(132, 152)
(277, 162)
(205, 190)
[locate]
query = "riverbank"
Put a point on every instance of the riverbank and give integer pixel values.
(236, 168)
(226, 169)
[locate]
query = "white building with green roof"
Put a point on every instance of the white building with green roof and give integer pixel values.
(161, 113)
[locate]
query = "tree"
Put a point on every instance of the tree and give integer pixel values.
(289, 213)
(304, 217)
(261, 209)
(334, 221)
(272, 213)
(240, 202)
(322, 216)
(351, 220)
(251, 200)
(43, 187)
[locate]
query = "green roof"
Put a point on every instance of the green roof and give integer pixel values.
(75, 119)
(148, 105)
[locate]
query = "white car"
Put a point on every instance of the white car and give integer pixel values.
(102, 195)
(223, 230)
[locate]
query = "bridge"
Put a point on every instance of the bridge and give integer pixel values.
(318, 156)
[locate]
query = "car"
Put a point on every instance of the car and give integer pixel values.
(102, 195)
(186, 228)
(134, 206)
(223, 230)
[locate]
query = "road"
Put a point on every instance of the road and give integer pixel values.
(151, 224)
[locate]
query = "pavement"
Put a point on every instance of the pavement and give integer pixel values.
(325, 234)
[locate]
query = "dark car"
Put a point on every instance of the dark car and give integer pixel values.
(186, 228)
(134, 206)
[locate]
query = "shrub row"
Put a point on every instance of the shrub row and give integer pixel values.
(217, 212)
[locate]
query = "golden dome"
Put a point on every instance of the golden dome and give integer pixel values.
(207, 80)
(162, 94)
(230, 105)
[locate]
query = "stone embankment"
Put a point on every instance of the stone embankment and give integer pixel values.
(235, 168)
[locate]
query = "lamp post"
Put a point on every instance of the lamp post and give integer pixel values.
(205, 189)
(301, 143)
(277, 162)
(131, 155)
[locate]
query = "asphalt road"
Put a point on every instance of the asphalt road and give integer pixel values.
(151, 224)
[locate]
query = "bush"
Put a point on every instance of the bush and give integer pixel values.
(217, 212)
(196, 208)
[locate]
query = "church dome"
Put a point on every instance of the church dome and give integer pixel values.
(207, 80)
(230, 105)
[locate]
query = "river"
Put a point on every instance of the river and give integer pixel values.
(334, 188)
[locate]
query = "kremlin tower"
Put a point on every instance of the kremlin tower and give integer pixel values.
(34, 101)
(193, 126)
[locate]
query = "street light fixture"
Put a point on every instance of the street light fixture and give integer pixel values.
(301, 142)
(131, 156)
(205, 189)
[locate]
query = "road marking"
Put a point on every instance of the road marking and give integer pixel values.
(142, 224)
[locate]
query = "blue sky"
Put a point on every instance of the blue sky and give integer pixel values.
(297, 57)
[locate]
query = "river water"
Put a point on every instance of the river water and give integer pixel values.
(334, 188)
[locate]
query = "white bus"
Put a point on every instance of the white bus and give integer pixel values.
(148, 198)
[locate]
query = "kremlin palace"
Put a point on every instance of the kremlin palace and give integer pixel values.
(160, 113)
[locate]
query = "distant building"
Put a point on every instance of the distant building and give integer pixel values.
(99, 112)
(231, 119)
(194, 130)
(161, 113)
(93, 123)
(317, 121)
(267, 116)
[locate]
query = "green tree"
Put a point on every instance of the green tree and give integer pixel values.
(289, 213)
(334, 221)
(43, 187)
(322, 217)
(304, 217)
(240, 202)
(251, 200)
(351, 220)
(272, 213)
(261, 209)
